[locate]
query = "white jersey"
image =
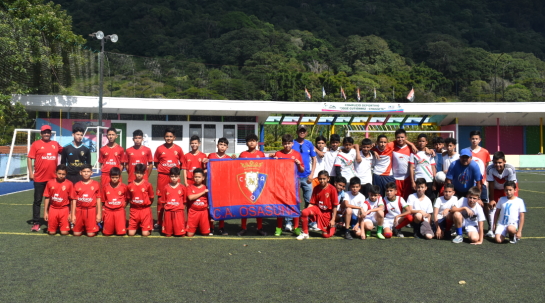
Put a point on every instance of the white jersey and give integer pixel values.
(373, 205)
(363, 169)
(423, 166)
(357, 200)
(510, 210)
(417, 204)
(478, 214)
(392, 207)
(443, 204)
(447, 160)
(400, 162)
(320, 163)
(346, 162)
(492, 175)
(329, 161)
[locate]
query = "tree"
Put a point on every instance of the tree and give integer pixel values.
(12, 116)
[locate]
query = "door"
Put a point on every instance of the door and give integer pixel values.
(229, 134)
(209, 138)
(122, 137)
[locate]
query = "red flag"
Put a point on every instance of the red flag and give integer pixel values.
(252, 188)
(343, 95)
(358, 94)
(307, 94)
(410, 96)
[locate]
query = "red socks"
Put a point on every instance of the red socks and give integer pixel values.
(221, 224)
(407, 220)
(244, 221)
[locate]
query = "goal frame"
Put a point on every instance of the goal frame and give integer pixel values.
(97, 129)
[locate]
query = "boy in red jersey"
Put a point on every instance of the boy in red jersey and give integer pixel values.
(223, 145)
(114, 198)
(323, 205)
(57, 202)
(174, 198)
(197, 213)
(138, 154)
(111, 155)
(140, 194)
(289, 153)
(252, 152)
(194, 159)
(166, 156)
(45, 154)
(86, 196)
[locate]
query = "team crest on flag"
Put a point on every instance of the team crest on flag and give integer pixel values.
(251, 184)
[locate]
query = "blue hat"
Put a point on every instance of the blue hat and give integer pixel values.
(466, 152)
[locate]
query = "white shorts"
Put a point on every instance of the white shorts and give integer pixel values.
(470, 226)
(388, 223)
(371, 219)
(502, 229)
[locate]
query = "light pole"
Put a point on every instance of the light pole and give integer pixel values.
(100, 36)
(496, 75)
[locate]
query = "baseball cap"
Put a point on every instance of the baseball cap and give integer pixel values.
(45, 127)
(465, 152)
(302, 127)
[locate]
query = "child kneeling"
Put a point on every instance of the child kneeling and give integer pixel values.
(468, 214)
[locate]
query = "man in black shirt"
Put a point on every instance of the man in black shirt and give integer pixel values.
(75, 155)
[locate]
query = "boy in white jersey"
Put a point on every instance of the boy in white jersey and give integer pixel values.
(450, 155)
(344, 163)
(355, 207)
(320, 149)
(468, 214)
(330, 156)
(510, 218)
(397, 212)
(422, 165)
(363, 165)
(374, 217)
(421, 211)
(497, 174)
(442, 218)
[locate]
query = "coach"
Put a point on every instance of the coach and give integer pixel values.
(45, 153)
(464, 174)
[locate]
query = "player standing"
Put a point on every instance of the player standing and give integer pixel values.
(138, 154)
(74, 155)
(57, 195)
(223, 145)
(114, 198)
(111, 155)
(141, 198)
(85, 213)
(194, 159)
(497, 175)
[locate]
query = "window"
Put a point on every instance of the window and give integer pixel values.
(156, 117)
(239, 119)
(244, 130)
(158, 131)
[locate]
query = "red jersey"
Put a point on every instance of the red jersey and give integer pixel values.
(215, 156)
(482, 157)
(168, 158)
(383, 165)
(193, 162)
(135, 156)
(59, 194)
(45, 155)
(255, 154)
(140, 195)
(111, 157)
(86, 195)
(293, 154)
(174, 198)
(202, 202)
(324, 198)
(114, 197)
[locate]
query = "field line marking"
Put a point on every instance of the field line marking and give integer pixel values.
(16, 192)
(535, 207)
(532, 191)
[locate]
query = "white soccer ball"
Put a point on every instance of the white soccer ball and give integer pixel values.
(440, 177)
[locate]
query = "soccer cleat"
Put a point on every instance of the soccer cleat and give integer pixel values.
(313, 227)
(380, 236)
(490, 234)
(302, 236)
(211, 233)
(223, 232)
(278, 232)
(241, 232)
(513, 240)
(297, 231)
(156, 227)
(288, 226)
(35, 227)
(347, 235)
(261, 232)
(368, 233)
(458, 239)
(398, 233)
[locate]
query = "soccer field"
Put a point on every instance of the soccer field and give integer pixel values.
(38, 267)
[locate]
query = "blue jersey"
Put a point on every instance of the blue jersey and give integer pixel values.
(438, 161)
(307, 152)
(464, 177)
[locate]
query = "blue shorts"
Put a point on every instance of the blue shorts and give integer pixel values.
(381, 181)
(353, 221)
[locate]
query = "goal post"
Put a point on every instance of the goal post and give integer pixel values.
(19, 172)
(93, 146)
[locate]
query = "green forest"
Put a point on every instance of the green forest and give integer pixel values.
(461, 50)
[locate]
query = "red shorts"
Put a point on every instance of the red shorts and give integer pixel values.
(58, 219)
(198, 218)
(174, 223)
(498, 193)
(86, 220)
(105, 179)
(114, 222)
(323, 218)
(162, 181)
(404, 188)
(141, 218)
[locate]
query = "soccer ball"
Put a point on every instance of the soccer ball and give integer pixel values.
(440, 177)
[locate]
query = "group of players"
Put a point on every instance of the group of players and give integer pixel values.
(353, 187)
